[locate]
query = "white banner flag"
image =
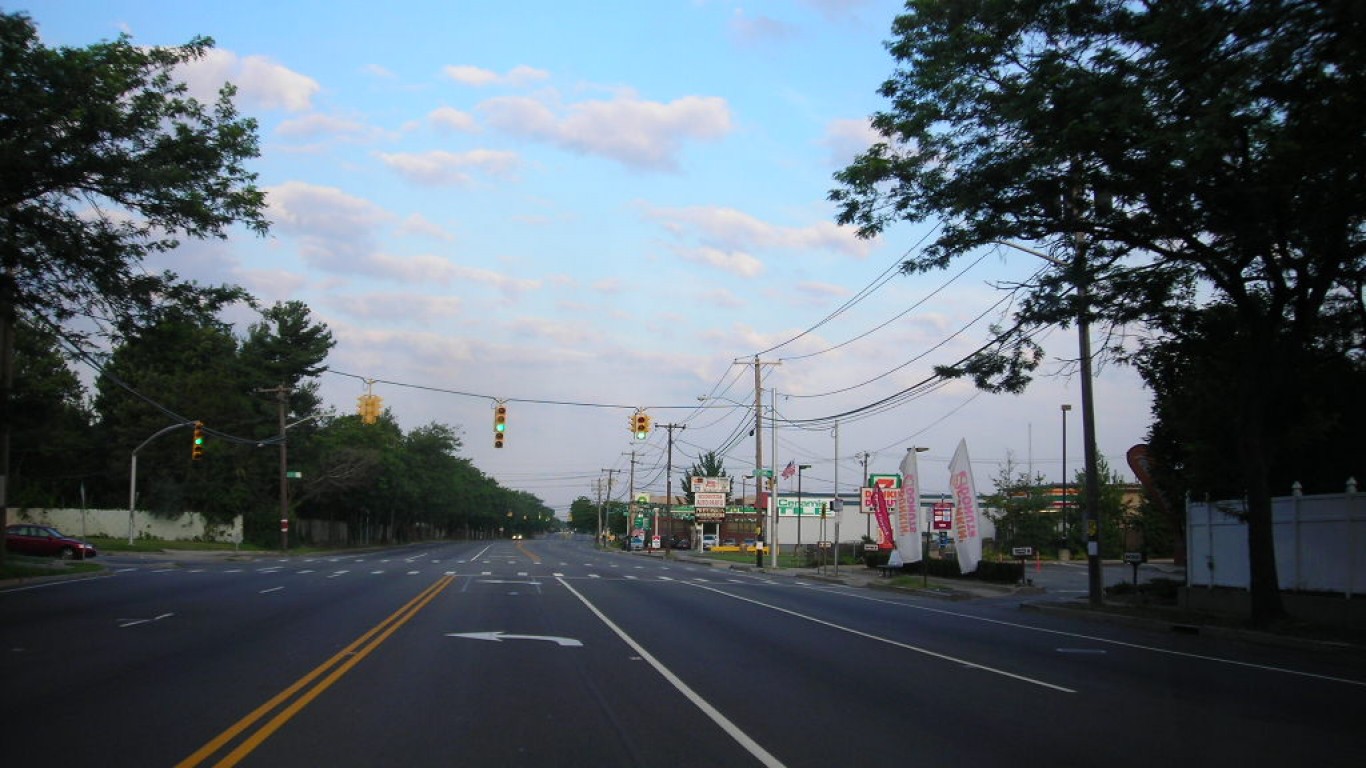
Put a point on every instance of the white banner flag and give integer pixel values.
(908, 511)
(966, 516)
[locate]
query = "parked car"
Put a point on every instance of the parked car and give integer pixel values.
(708, 541)
(637, 543)
(45, 541)
(681, 542)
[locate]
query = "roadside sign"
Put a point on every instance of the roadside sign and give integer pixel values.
(1022, 551)
(890, 494)
(709, 499)
(943, 517)
(1133, 558)
(885, 481)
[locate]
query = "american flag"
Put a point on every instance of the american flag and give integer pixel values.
(790, 470)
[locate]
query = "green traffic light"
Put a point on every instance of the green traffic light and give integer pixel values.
(501, 427)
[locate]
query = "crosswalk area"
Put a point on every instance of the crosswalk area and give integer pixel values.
(490, 569)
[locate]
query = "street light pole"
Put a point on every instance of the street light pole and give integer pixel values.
(1066, 513)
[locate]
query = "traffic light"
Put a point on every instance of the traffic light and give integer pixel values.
(500, 424)
(197, 447)
(368, 406)
(640, 425)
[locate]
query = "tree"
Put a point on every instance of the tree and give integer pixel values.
(707, 465)
(55, 449)
(1020, 510)
(1155, 149)
(104, 160)
(183, 368)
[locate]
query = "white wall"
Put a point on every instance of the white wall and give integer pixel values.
(114, 523)
(1320, 543)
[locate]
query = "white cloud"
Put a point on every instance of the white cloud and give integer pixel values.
(845, 139)
(417, 224)
(735, 262)
(508, 286)
(439, 168)
(398, 307)
(636, 133)
(335, 230)
(261, 83)
(315, 125)
(759, 29)
(450, 118)
(822, 290)
(480, 78)
(727, 228)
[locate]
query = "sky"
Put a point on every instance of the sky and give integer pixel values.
(585, 208)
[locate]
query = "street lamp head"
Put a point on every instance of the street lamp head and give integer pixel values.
(918, 448)
(1066, 407)
(803, 466)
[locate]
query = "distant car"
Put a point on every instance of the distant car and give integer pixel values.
(708, 541)
(728, 543)
(45, 541)
(637, 543)
(516, 537)
(682, 543)
(749, 543)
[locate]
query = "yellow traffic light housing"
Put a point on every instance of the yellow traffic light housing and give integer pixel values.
(640, 425)
(368, 407)
(197, 447)
(500, 424)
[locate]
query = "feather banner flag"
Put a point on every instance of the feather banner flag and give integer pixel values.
(967, 530)
(908, 510)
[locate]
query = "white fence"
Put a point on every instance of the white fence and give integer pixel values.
(1320, 543)
(114, 522)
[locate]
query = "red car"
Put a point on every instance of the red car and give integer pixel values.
(46, 541)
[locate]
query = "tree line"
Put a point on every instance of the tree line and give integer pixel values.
(383, 483)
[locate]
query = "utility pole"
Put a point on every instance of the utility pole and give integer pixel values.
(867, 515)
(631, 489)
(607, 505)
(759, 457)
(668, 481)
(282, 406)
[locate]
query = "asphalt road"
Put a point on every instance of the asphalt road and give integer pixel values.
(548, 652)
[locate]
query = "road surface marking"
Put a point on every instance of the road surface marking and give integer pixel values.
(889, 641)
(334, 668)
(731, 729)
(306, 570)
(1120, 643)
(499, 637)
(272, 589)
(135, 622)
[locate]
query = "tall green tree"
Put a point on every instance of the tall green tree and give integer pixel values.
(179, 370)
(104, 160)
(54, 450)
(1154, 149)
(707, 465)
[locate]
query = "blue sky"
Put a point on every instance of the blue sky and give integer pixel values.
(587, 207)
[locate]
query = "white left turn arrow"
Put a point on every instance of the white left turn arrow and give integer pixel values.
(499, 637)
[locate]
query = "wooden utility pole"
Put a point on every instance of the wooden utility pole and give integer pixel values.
(282, 407)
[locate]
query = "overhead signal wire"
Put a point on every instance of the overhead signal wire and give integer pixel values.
(867, 291)
(895, 317)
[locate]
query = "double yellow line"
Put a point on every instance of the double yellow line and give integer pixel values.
(309, 687)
